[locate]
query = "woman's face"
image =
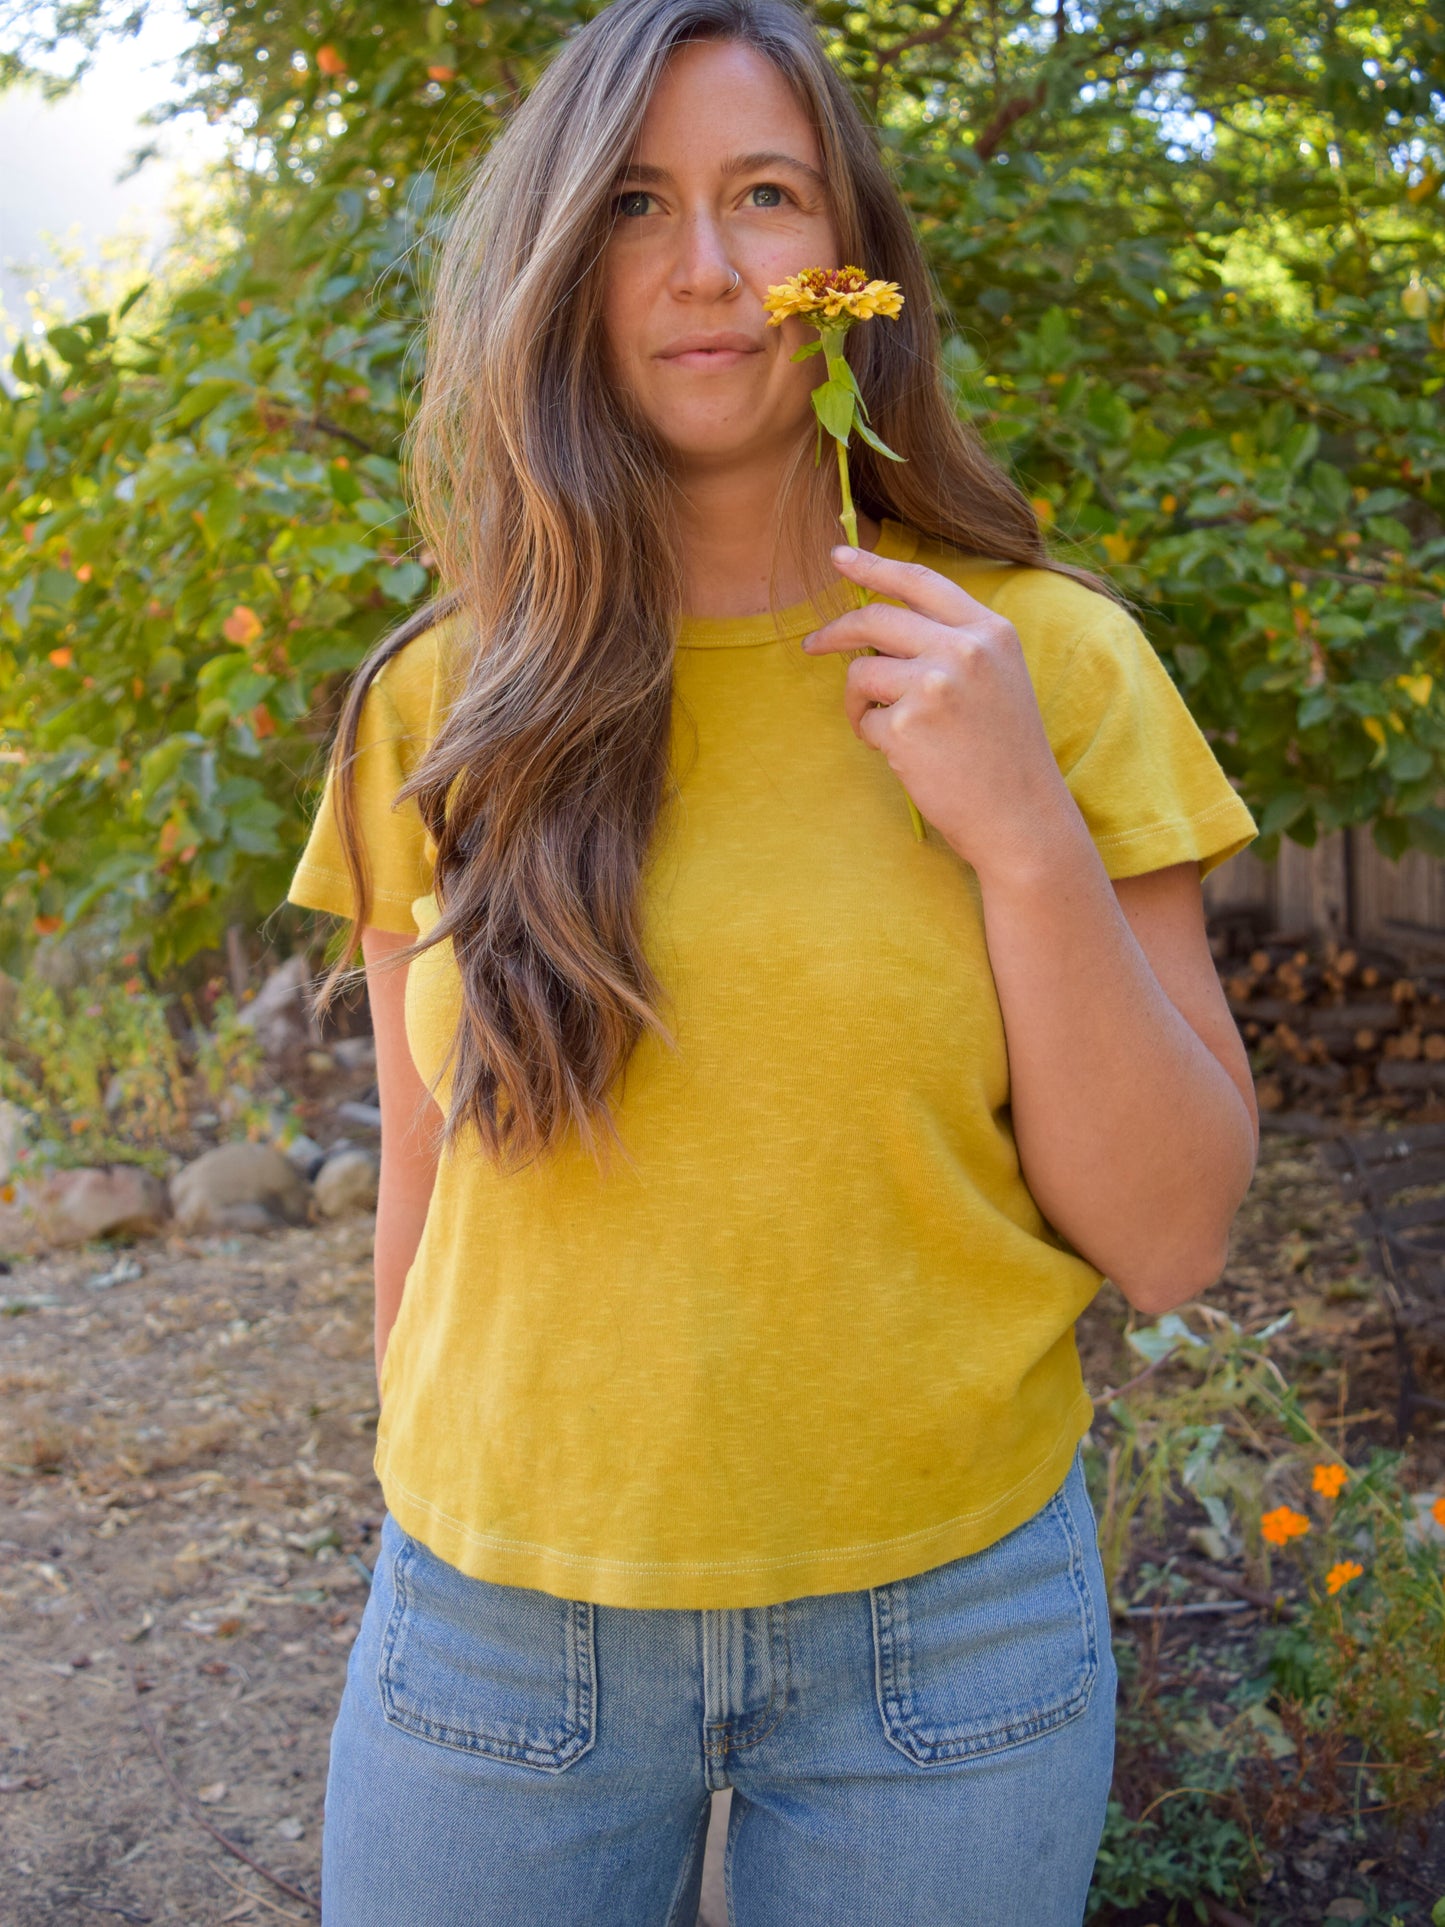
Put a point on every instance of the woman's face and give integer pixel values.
(726, 175)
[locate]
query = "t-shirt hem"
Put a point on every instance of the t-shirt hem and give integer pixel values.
(727, 1583)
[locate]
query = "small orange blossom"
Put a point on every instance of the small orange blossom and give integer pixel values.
(1330, 1480)
(1341, 1575)
(1282, 1525)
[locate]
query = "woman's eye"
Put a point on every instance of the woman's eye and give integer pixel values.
(632, 201)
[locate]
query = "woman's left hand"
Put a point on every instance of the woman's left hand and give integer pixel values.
(960, 724)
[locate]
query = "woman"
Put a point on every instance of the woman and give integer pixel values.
(745, 1161)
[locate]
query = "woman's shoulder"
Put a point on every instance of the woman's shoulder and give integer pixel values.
(1053, 613)
(416, 682)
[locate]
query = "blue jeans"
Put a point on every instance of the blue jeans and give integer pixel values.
(937, 1750)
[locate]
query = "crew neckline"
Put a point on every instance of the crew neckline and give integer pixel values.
(896, 543)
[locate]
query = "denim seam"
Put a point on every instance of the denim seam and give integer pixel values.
(683, 1882)
(577, 1732)
(730, 1740)
(737, 1820)
(893, 1659)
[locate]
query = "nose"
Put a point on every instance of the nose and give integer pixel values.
(702, 270)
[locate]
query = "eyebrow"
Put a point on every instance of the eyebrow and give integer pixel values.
(735, 164)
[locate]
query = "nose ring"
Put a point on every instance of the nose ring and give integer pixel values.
(737, 282)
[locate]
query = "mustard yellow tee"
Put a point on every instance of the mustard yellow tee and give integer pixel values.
(818, 1336)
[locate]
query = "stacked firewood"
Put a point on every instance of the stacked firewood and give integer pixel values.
(1337, 1027)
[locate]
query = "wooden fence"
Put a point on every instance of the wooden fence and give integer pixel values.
(1342, 888)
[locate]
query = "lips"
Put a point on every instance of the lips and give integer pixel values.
(699, 348)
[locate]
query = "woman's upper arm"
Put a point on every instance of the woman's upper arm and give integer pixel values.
(1165, 910)
(409, 1113)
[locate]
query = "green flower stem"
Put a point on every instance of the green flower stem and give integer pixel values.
(849, 519)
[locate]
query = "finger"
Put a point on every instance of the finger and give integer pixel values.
(882, 626)
(920, 588)
(874, 680)
(873, 726)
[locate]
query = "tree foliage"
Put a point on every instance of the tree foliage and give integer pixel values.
(1189, 260)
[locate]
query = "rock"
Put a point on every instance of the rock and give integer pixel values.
(347, 1182)
(70, 1207)
(1346, 1908)
(306, 1154)
(280, 1013)
(240, 1187)
(366, 1115)
(354, 1053)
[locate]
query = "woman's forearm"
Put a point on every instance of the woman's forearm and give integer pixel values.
(1133, 1138)
(401, 1209)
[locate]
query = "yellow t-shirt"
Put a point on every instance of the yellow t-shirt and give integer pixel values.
(818, 1336)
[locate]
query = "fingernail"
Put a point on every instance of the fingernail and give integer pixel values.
(842, 552)
(808, 639)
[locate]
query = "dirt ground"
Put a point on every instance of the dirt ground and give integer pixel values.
(189, 1510)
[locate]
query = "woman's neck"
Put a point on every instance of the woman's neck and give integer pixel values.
(727, 549)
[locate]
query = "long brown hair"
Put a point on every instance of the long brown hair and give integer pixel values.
(531, 475)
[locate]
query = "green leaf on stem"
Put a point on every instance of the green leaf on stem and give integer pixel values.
(873, 442)
(834, 405)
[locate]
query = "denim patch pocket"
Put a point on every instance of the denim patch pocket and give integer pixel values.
(497, 1670)
(994, 1648)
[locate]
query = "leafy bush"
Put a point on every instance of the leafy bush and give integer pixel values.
(1191, 293)
(109, 1071)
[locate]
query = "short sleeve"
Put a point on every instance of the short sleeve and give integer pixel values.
(399, 853)
(1137, 764)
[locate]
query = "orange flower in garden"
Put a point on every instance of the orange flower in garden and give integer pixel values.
(1341, 1575)
(1437, 1511)
(330, 60)
(1277, 1528)
(62, 658)
(1330, 1480)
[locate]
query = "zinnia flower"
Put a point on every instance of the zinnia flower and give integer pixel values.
(831, 300)
(1330, 1480)
(1277, 1528)
(1341, 1575)
(832, 292)
(1437, 1511)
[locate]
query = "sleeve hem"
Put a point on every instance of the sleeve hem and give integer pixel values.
(1210, 837)
(319, 890)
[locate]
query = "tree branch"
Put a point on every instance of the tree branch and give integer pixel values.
(1008, 116)
(926, 37)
